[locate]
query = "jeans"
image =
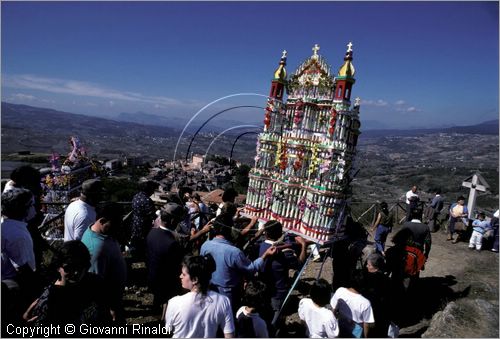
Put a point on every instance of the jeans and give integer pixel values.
(381, 236)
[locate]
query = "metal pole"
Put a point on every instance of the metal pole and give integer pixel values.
(234, 143)
(209, 119)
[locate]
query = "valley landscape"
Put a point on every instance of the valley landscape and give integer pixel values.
(389, 161)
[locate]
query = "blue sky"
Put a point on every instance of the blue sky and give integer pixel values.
(418, 64)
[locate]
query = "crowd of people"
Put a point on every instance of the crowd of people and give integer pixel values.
(212, 273)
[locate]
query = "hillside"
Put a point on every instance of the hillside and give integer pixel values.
(389, 161)
(484, 128)
(49, 131)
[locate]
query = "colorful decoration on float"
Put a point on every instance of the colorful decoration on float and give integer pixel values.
(64, 181)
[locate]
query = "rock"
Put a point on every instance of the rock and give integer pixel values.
(465, 318)
(413, 331)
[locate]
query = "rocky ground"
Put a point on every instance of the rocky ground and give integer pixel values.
(457, 295)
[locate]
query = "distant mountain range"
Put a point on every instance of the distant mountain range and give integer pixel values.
(487, 127)
(143, 118)
(14, 115)
(156, 125)
(373, 128)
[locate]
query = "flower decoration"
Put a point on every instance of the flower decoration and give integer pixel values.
(267, 118)
(297, 118)
(269, 192)
(283, 163)
(302, 204)
(333, 120)
(313, 206)
(297, 165)
(314, 159)
(54, 161)
(324, 166)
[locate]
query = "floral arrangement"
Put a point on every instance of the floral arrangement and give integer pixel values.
(60, 185)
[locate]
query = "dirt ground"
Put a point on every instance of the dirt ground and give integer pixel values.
(453, 272)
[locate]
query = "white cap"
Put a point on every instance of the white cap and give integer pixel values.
(496, 214)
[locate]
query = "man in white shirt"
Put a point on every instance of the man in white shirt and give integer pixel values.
(17, 245)
(80, 214)
(411, 201)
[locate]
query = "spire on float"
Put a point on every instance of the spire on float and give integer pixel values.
(349, 47)
(347, 69)
(280, 72)
(315, 50)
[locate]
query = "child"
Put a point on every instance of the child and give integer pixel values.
(249, 324)
(479, 226)
(354, 312)
(320, 321)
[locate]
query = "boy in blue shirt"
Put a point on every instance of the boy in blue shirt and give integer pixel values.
(479, 227)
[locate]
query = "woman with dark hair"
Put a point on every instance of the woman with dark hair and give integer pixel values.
(378, 290)
(229, 195)
(200, 312)
(76, 297)
(143, 215)
(383, 225)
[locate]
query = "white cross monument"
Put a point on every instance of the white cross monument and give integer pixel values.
(476, 184)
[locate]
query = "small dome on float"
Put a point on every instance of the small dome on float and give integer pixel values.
(280, 73)
(347, 69)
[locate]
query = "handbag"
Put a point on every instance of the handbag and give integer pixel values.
(460, 226)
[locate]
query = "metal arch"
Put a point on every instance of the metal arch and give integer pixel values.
(208, 105)
(202, 109)
(209, 119)
(236, 140)
(227, 130)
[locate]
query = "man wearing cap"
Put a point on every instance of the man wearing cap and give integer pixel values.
(81, 213)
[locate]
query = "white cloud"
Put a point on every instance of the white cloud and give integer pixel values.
(81, 88)
(378, 102)
(397, 106)
(22, 96)
(111, 103)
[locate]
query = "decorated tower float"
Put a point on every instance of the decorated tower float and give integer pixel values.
(305, 153)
